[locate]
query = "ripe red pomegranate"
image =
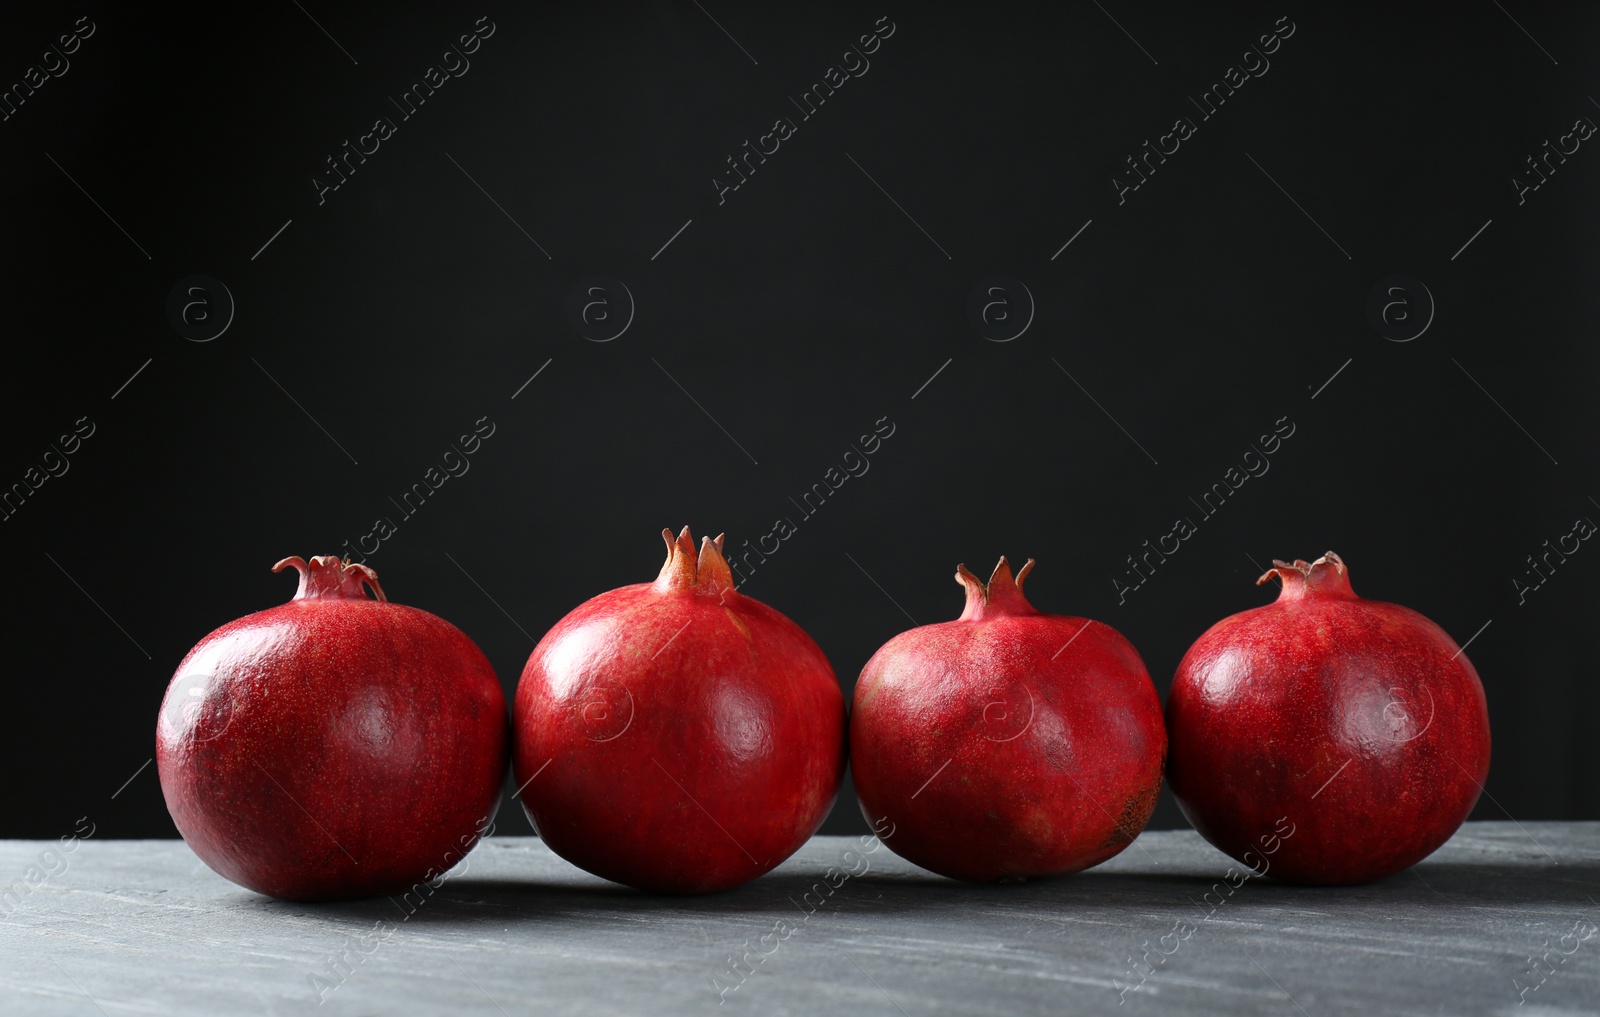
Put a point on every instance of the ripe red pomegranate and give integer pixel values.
(335, 746)
(678, 736)
(1008, 743)
(1360, 723)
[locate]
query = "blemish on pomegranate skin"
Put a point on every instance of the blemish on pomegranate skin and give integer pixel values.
(1135, 814)
(738, 623)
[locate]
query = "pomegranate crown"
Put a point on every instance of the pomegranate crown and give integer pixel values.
(1001, 595)
(689, 571)
(1327, 576)
(326, 577)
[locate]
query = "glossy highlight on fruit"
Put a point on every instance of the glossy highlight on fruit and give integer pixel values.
(678, 736)
(1008, 743)
(1359, 723)
(335, 746)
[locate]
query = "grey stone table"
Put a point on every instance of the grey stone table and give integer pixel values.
(1500, 920)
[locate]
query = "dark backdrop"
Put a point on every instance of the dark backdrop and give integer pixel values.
(829, 290)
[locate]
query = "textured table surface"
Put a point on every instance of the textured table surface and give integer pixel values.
(1500, 920)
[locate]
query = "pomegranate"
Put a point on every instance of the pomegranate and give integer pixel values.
(1008, 743)
(335, 746)
(678, 736)
(1360, 723)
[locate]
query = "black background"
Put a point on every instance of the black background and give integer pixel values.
(797, 313)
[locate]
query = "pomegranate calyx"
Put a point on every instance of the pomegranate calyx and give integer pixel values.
(1001, 595)
(1328, 576)
(686, 570)
(326, 577)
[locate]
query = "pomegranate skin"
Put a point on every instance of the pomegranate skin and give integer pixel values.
(678, 736)
(1360, 723)
(334, 746)
(1009, 743)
